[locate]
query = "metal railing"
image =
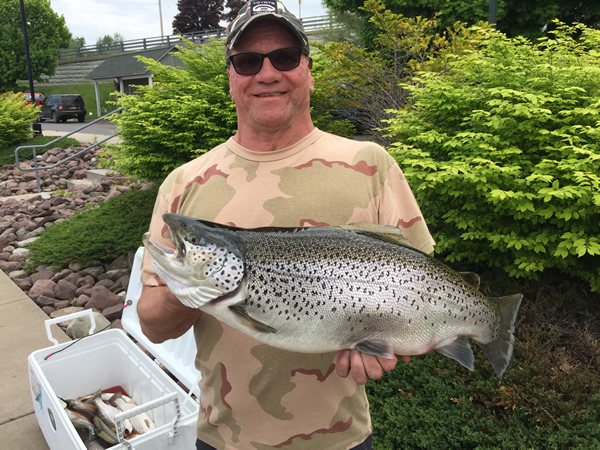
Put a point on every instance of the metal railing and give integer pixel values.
(310, 24)
(36, 168)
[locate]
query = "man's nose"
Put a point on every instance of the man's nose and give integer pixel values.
(268, 70)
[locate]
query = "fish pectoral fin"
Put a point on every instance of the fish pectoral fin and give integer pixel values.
(460, 350)
(251, 321)
(376, 347)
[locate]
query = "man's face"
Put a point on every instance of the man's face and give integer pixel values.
(270, 99)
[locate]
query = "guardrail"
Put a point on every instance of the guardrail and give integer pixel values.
(310, 24)
(36, 168)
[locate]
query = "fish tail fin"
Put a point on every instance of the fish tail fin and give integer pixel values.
(499, 351)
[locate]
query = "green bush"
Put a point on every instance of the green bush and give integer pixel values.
(15, 119)
(503, 153)
(186, 112)
(103, 233)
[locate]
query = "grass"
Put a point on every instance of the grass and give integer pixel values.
(549, 397)
(7, 154)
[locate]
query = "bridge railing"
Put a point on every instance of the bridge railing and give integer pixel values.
(310, 24)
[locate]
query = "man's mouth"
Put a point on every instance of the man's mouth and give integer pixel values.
(270, 95)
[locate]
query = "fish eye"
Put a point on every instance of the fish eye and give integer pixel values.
(194, 240)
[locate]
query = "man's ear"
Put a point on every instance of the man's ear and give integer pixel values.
(310, 63)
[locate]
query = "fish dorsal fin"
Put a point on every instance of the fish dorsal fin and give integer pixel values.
(472, 278)
(387, 233)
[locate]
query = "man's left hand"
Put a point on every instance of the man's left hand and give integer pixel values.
(363, 365)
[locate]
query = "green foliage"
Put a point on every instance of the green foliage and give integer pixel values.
(514, 17)
(358, 81)
(103, 233)
(108, 42)
(46, 32)
(15, 119)
(503, 153)
(186, 112)
(7, 153)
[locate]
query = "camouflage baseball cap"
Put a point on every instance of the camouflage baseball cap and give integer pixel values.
(263, 9)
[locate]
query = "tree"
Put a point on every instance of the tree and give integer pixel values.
(46, 32)
(234, 7)
(197, 15)
(515, 17)
(77, 42)
(107, 42)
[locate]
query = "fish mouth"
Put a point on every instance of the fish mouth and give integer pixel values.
(159, 250)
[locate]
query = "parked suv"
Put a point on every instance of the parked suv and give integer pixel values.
(61, 107)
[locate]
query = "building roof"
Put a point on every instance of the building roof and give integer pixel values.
(127, 65)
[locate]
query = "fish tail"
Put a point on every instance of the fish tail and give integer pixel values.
(499, 351)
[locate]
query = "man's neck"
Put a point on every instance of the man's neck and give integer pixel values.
(268, 140)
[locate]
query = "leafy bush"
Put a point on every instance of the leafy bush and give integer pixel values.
(503, 152)
(186, 112)
(15, 119)
(367, 83)
(103, 233)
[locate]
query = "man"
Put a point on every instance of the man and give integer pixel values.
(277, 170)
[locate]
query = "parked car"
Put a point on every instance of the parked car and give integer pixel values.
(61, 107)
(39, 98)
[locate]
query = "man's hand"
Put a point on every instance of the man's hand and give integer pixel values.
(364, 366)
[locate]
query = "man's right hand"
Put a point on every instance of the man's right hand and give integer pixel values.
(162, 316)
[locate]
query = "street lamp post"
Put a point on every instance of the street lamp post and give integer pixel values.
(37, 127)
(493, 13)
(27, 58)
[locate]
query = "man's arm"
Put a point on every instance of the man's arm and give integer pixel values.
(162, 315)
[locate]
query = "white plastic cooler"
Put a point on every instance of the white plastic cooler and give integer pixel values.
(110, 358)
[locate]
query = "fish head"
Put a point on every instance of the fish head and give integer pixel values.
(205, 262)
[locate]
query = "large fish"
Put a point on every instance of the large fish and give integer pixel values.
(324, 289)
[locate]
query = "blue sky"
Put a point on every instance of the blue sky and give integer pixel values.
(136, 19)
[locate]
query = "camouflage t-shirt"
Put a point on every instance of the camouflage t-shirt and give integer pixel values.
(254, 396)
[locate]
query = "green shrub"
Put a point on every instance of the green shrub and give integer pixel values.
(186, 112)
(503, 153)
(15, 119)
(103, 233)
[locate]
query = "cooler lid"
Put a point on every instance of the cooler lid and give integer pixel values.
(177, 355)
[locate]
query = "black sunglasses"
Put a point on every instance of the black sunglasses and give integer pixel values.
(282, 59)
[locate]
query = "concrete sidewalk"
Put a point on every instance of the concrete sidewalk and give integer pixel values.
(22, 331)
